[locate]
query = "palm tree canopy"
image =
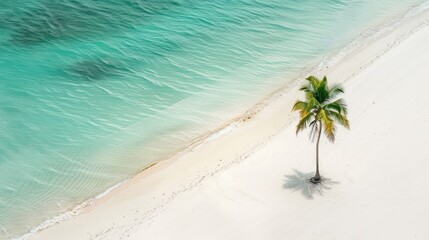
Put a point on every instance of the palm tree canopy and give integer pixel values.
(322, 107)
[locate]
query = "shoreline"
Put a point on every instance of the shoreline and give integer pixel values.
(260, 108)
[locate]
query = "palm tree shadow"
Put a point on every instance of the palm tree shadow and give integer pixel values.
(300, 181)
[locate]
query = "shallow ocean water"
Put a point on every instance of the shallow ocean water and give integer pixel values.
(94, 91)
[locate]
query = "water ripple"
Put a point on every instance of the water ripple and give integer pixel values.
(93, 91)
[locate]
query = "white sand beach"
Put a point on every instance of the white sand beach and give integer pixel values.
(250, 183)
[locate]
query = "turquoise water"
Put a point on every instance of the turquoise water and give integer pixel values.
(94, 91)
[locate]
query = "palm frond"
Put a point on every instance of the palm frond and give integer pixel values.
(300, 106)
(328, 123)
(318, 88)
(303, 122)
(322, 105)
(313, 102)
(338, 105)
(332, 107)
(340, 118)
(305, 88)
(313, 83)
(336, 90)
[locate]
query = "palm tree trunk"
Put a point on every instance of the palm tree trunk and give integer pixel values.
(316, 178)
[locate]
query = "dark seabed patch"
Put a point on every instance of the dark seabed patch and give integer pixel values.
(61, 19)
(94, 70)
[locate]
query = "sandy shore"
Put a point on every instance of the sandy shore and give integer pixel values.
(250, 183)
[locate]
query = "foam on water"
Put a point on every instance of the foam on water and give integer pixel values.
(92, 92)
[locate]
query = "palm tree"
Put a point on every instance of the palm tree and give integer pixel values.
(321, 109)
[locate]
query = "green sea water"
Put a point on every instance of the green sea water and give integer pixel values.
(92, 91)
